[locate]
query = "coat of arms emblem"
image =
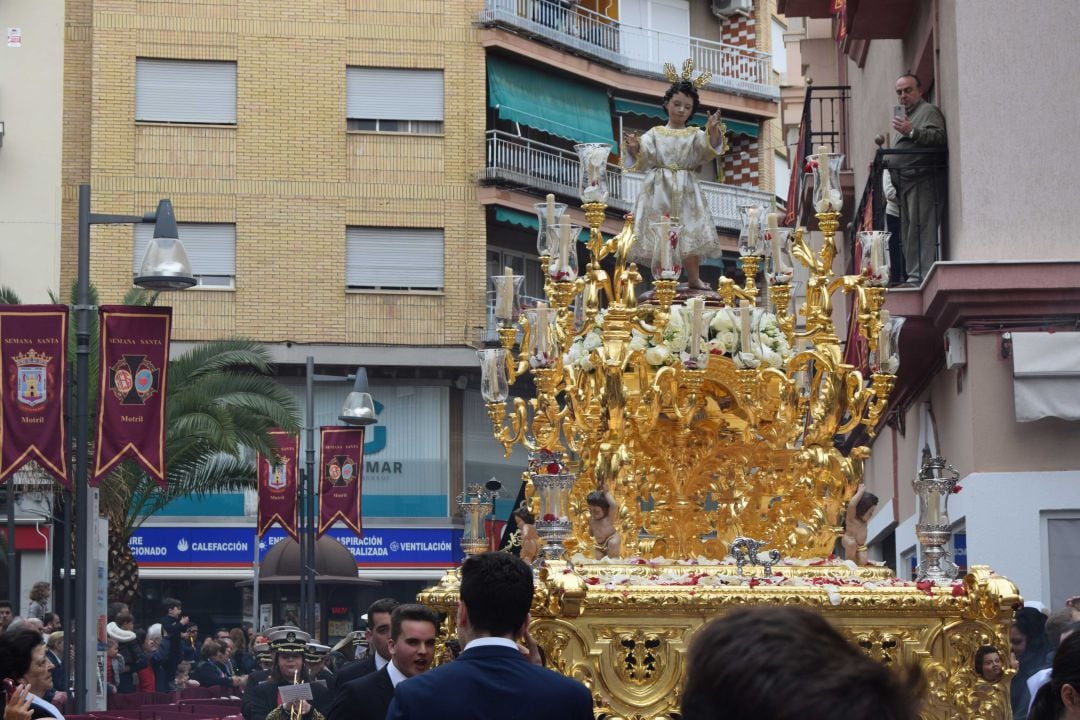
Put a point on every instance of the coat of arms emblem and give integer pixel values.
(32, 378)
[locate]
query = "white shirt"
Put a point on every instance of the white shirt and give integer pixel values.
(492, 641)
(380, 662)
(396, 675)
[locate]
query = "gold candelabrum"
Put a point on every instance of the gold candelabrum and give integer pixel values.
(702, 442)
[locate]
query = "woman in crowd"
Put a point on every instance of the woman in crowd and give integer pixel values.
(23, 660)
(288, 644)
(212, 671)
(1059, 699)
(1029, 646)
(39, 600)
(243, 659)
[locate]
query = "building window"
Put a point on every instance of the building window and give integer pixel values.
(211, 248)
(779, 50)
(185, 91)
(393, 258)
(394, 100)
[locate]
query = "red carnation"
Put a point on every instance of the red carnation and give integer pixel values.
(754, 582)
(810, 165)
(957, 488)
(927, 586)
(553, 468)
(592, 580)
(549, 517)
(959, 590)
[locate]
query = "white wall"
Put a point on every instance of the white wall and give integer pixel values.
(1002, 515)
(31, 107)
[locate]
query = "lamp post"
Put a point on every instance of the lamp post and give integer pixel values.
(164, 266)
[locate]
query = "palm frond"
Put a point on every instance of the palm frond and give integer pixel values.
(140, 296)
(9, 296)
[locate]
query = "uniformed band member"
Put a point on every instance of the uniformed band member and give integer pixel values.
(315, 658)
(288, 644)
(265, 658)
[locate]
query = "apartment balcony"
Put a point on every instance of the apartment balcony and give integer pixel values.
(548, 169)
(636, 50)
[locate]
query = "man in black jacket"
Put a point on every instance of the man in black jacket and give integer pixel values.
(378, 637)
(413, 629)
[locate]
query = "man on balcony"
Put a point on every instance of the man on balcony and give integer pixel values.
(919, 176)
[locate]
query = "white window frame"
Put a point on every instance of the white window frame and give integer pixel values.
(211, 248)
(779, 49)
(395, 259)
(201, 92)
(394, 100)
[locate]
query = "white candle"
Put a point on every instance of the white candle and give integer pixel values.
(823, 169)
(491, 370)
(774, 237)
(884, 342)
(695, 327)
(549, 211)
(752, 230)
(744, 320)
(665, 245)
(564, 251)
(541, 328)
(877, 258)
(504, 296)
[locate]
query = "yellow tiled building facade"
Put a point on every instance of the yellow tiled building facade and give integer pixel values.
(288, 174)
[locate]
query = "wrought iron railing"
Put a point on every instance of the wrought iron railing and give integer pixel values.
(637, 49)
(824, 122)
(918, 186)
(551, 169)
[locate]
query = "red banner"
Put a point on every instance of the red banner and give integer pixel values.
(278, 486)
(341, 469)
(33, 393)
(131, 394)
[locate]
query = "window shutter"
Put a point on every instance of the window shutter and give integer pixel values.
(185, 91)
(393, 94)
(211, 248)
(394, 258)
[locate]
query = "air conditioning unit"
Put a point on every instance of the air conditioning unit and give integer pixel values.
(723, 8)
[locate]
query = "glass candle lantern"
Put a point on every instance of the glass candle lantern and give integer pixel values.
(552, 483)
(493, 382)
(563, 260)
(541, 346)
(696, 355)
(548, 213)
(781, 268)
(507, 296)
(886, 358)
(751, 236)
(667, 254)
(593, 183)
(875, 256)
(475, 502)
(826, 169)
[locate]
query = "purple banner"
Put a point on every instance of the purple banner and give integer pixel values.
(131, 395)
(341, 473)
(33, 366)
(277, 485)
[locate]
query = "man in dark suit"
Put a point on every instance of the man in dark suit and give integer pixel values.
(412, 648)
(492, 678)
(378, 637)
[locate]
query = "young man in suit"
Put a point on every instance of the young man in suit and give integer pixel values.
(492, 677)
(413, 629)
(377, 636)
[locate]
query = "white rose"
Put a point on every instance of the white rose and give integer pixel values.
(771, 358)
(657, 355)
(593, 340)
(746, 361)
(638, 342)
(723, 321)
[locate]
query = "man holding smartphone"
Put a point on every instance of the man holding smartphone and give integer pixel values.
(918, 176)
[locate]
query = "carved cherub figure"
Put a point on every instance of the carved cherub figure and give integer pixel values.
(602, 514)
(860, 509)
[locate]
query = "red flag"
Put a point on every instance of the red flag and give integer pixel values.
(33, 366)
(340, 476)
(277, 485)
(131, 394)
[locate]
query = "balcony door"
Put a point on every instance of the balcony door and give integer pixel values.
(653, 32)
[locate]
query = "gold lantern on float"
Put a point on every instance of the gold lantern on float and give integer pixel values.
(711, 420)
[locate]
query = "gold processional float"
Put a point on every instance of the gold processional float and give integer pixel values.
(711, 422)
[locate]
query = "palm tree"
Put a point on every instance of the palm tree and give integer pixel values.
(221, 402)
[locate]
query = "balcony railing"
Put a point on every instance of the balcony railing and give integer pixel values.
(824, 121)
(550, 169)
(919, 178)
(640, 50)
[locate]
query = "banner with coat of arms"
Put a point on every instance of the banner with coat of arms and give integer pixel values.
(278, 485)
(340, 475)
(33, 369)
(131, 394)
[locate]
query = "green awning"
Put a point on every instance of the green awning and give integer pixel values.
(555, 105)
(634, 107)
(530, 222)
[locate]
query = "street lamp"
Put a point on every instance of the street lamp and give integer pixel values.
(165, 266)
